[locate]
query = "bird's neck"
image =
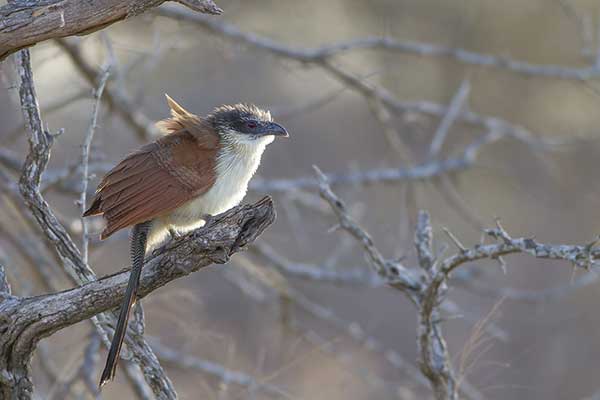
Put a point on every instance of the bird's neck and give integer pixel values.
(239, 160)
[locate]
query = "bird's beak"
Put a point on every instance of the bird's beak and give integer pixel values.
(273, 128)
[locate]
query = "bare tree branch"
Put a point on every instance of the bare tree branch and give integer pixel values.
(457, 103)
(435, 360)
(346, 276)
(434, 357)
(24, 23)
(385, 268)
(324, 53)
(116, 97)
(31, 319)
(427, 290)
(85, 160)
(186, 361)
(321, 57)
(427, 170)
(40, 143)
(203, 6)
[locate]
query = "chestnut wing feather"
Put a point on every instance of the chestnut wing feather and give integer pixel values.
(155, 180)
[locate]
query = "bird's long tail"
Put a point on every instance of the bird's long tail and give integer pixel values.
(139, 235)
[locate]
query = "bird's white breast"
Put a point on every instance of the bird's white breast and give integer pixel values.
(234, 169)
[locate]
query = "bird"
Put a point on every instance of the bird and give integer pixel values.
(198, 168)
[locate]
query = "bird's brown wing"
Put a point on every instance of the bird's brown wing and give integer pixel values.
(155, 180)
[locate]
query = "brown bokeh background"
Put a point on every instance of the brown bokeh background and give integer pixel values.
(548, 349)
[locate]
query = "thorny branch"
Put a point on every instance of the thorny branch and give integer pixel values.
(32, 319)
(35, 249)
(426, 284)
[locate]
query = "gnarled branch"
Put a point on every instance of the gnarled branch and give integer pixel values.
(25, 321)
(24, 23)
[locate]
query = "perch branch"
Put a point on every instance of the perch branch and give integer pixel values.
(25, 321)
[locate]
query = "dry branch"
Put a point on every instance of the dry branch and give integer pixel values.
(25, 321)
(24, 23)
(324, 53)
(426, 285)
(227, 376)
(116, 97)
(422, 171)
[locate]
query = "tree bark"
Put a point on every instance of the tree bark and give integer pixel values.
(24, 23)
(25, 321)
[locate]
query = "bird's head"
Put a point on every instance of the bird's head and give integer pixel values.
(245, 124)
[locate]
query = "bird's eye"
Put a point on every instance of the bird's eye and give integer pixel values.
(251, 124)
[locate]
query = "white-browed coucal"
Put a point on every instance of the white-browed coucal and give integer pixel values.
(200, 167)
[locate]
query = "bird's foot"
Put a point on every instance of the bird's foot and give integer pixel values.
(207, 219)
(174, 234)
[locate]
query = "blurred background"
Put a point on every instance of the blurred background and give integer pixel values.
(523, 70)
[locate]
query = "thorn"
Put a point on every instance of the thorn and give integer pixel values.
(588, 247)
(57, 134)
(498, 224)
(455, 240)
(399, 259)
(502, 263)
(320, 175)
(334, 228)
(484, 235)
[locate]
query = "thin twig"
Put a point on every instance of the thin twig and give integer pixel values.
(227, 376)
(345, 276)
(454, 108)
(85, 157)
(321, 54)
(116, 97)
(427, 170)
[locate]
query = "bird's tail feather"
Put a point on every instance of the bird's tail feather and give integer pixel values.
(139, 235)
